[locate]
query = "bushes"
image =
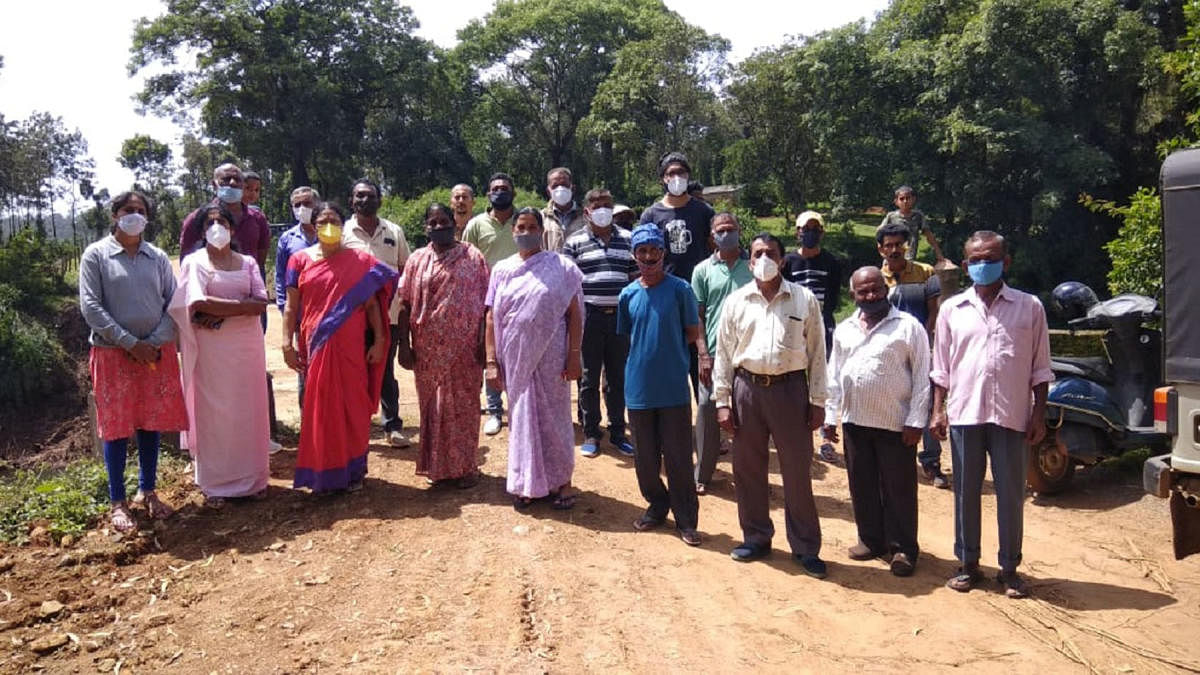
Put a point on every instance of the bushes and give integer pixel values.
(409, 213)
(1137, 251)
(32, 267)
(68, 500)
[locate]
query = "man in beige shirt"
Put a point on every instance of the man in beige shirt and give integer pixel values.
(769, 383)
(562, 215)
(382, 238)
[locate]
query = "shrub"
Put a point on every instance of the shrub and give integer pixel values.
(31, 358)
(32, 266)
(69, 500)
(1137, 251)
(409, 213)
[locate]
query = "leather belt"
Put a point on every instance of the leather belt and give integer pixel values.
(767, 380)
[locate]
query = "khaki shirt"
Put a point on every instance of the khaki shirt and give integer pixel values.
(770, 338)
(388, 245)
(558, 228)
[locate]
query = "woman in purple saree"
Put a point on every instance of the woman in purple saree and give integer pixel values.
(534, 332)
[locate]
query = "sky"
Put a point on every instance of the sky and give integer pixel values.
(75, 66)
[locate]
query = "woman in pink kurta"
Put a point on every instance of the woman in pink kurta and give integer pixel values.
(441, 304)
(217, 306)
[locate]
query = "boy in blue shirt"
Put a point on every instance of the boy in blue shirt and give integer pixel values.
(658, 312)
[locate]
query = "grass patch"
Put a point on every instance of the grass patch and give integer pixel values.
(68, 500)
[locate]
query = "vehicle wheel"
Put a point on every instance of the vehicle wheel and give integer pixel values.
(1050, 467)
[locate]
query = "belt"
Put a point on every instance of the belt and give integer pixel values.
(603, 310)
(768, 380)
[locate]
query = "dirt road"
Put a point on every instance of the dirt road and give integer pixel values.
(400, 577)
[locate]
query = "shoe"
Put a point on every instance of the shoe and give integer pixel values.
(902, 565)
(726, 447)
(813, 566)
(492, 426)
(965, 579)
(590, 448)
(828, 454)
(1014, 586)
(624, 447)
(748, 552)
(860, 551)
(397, 439)
(934, 475)
(273, 447)
(701, 489)
(646, 523)
(690, 537)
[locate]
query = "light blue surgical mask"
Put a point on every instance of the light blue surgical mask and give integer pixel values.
(229, 194)
(530, 241)
(727, 240)
(986, 272)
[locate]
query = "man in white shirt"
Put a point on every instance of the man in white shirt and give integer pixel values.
(382, 238)
(879, 390)
(769, 383)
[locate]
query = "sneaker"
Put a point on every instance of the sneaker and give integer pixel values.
(934, 475)
(624, 447)
(748, 552)
(827, 453)
(397, 439)
(272, 446)
(590, 448)
(813, 566)
(492, 426)
(1014, 586)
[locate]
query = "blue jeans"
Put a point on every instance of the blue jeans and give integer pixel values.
(114, 461)
(930, 456)
(495, 405)
(970, 448)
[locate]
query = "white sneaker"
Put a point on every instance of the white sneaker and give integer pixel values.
(492, 426)
(397, 439)
(273, 446)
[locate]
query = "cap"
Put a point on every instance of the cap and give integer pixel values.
(803, 218)
(647, 234)
(620, 208)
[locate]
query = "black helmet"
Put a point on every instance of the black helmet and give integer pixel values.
(1072, 299)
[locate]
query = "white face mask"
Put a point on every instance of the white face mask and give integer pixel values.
(303, 214)
(765, 269)
(561, 195)
(132, 224)
(677, 185)
(217, 236)
(602, 217)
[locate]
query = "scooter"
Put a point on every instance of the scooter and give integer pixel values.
(1099, 407)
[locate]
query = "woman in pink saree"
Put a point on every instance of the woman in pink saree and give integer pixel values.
(217, 305)
(534, 333)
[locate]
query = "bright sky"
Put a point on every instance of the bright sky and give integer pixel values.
(75, 66)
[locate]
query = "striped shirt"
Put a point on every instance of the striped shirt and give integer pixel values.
(879, 378)
(606, 268)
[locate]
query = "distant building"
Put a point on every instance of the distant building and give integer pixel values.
(727, 193)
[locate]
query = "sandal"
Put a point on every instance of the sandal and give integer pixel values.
(522, 504)
(214, 503)
(155, 507)
(563, 502)
(965, 580)
(122, 521)
(647, 523)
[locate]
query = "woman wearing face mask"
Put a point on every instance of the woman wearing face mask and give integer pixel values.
(217, 308)
(440, 329)
(534, 333)
(333, 295)
(125, 284)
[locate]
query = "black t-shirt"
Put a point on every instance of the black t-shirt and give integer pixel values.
(821, 274)
(686, 231)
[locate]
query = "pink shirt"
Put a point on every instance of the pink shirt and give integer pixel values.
(989, 360)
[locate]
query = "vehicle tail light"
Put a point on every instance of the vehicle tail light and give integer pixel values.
(1166, 412)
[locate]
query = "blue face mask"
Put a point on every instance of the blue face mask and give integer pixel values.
(985, 273)
(810, 238)
(229, 195)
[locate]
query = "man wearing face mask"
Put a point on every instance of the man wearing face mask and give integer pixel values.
(991, 357)
(382, 238)
(603, 253)
(299, 237)
(713, 280)
(769, 383)
(562, 216)
(251, 230)
(878, 384)
(491, 233)
(658, 312)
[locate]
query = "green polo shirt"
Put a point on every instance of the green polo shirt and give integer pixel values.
(492, 237)
(712, 281)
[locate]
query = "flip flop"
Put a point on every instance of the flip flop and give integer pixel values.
(965, 580)
(122, 521)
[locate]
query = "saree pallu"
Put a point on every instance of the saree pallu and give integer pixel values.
(341, 389)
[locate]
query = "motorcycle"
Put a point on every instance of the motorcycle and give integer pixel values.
(1099, 407)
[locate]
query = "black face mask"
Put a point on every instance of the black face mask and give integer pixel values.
(442, 236)
(500, 200)
(874, 308)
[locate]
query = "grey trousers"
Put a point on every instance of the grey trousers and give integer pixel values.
(970, 448)
(883, 489)
(662, 437)
(778, 412)
(708, 436)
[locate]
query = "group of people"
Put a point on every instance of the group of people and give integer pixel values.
(672, 312)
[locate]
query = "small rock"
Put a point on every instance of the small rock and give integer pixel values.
(107, 665)
(521, 530)
(67, 560)
(67, 541)
(40, 536)
(547, 529)
(49, 643)
(91, 646)
(6, 564)
(157, 620)
(277, 546)
(51, 608)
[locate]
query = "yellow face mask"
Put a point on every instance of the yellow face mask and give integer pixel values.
(329, 233)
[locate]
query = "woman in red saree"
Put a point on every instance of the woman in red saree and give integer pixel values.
(334, 295)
